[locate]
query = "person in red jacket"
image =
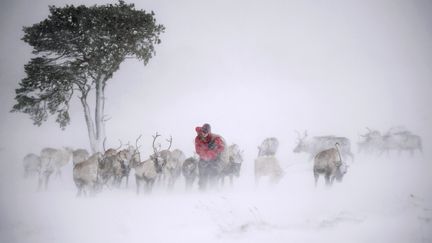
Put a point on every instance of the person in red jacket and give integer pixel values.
(208, 146)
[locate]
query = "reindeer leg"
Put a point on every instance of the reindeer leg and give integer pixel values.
(327, 179)
(47, 176)
(203, 179)
(188, 184)
(40, 181)
(316, 176)
(137, 184)
(150, 184)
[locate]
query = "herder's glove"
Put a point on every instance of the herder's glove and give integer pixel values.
(212, 145)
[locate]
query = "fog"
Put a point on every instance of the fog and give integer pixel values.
(252, 70)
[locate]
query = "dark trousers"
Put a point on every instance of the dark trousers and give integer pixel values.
(208, 173)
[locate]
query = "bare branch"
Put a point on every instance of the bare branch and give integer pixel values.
(103, 144)
(106, 118)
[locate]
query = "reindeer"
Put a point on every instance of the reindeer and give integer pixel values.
(126, 157)
(79, 155)
(190, 171)
(56, 158)
(49, 159)
(314, 145)
(233, 166)
(173, 166)
(165, 154)
(396, 139)
(401, 140)
(86, 175)
(109, 165)
(268, 147)
(329, 162)
(31, 164)
(266, 164)
(372, 141)
(147, 171)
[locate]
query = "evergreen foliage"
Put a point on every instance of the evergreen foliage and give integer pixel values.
(76, 48)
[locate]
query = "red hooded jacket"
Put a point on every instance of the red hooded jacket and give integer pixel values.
(208, 148)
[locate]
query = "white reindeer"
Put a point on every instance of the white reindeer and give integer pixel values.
(86, 175)
(173, 166)
(267, 164)
(57, 158)
(79, 155)
(31, 164)
(233, 165)
(147, 171)
(314, 145)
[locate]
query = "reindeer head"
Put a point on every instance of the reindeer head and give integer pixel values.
(157, 158)
(370, 135)
(341, 171)
(133, 154)
(301, 143)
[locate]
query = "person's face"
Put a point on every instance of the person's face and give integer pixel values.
(204, 134)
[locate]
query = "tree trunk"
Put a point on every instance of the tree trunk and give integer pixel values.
(90, 126)
(99, 112)
(96, 127)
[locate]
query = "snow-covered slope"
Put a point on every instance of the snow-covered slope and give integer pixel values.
(385, 199)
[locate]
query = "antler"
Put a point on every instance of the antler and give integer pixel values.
(136, 151)
(136, 141)
(153, 144)
(170, 142)
(121, 144)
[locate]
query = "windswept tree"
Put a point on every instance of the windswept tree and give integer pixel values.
(77, 50)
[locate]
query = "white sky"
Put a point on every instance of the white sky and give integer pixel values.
(252, 69)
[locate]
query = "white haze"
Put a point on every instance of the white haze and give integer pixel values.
(252, 70)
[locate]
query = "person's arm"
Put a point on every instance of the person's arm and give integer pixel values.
(220, 146)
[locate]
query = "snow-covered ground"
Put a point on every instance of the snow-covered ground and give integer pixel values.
(382, 199)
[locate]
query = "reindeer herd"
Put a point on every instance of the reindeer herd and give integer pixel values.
(111, 168)
(395, 139)
(164, 167)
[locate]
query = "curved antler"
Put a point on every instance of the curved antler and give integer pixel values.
(153, 144)
(136, 141)
(121, 144)
(170, 142)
